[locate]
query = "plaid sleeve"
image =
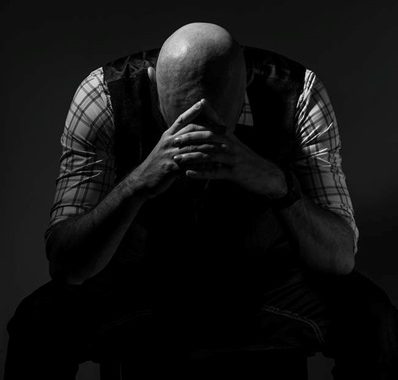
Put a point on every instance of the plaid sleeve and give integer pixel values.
(318, 163)
(87, 165)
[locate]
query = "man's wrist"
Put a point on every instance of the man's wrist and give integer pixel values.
(130, 188)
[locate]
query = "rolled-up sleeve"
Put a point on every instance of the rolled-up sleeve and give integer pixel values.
(87, 165)
(318, 162)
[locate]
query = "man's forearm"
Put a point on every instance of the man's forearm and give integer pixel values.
(325, 241)
(82, 246)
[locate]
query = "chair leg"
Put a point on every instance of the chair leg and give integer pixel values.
(253, 365)
(110, 370)
(245, 365)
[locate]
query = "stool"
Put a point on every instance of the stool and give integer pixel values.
(272, 364)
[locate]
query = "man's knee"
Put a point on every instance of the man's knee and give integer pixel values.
(365, 313)
(43, 338)
(370, 298)
(43, 308)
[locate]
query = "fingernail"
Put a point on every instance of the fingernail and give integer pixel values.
(178, 157)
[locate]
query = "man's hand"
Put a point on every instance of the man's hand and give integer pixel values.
(158, 171)
(228, 159)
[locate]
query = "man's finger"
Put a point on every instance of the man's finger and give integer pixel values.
(205, 148)
(191, 127)
(198, 157)
(215, 173)
(186, 117)
(191, 158)
(194, 138)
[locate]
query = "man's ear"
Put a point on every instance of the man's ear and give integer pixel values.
(154, 94)
(152, 80)
(152, 76)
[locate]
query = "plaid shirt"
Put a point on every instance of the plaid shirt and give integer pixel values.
(87, 164)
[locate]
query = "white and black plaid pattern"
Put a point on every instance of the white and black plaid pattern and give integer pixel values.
(87, 164)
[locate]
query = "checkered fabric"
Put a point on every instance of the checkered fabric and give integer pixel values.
(87, 164)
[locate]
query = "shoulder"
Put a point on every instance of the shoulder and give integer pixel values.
(127, 66)
(314, 100)
(263, 61)
(257, 54)
(93, 88)
(90, 116)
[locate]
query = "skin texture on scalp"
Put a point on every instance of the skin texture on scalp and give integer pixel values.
(201, 60)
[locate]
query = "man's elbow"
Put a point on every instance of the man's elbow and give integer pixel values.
(345, 265)
(343, 261)
(345, 256)
(59, 275)
(63, 269)
(336, 261)
(57, 265)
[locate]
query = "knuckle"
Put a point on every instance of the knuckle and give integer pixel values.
(167, 140)
(173, 152)
(179, 141)
(168, 166)
(171, 142)
(185, 137)
(180, 120)
(224, 147)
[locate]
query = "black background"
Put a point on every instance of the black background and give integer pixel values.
(47, 49)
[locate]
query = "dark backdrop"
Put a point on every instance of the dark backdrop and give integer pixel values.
(47, 49)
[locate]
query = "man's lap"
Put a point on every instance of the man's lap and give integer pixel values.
(295, 312)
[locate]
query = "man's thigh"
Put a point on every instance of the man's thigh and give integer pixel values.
(71, 318)
(328, 313)
(292, 313)
(51, 319)
(283, 311)
(296, 310)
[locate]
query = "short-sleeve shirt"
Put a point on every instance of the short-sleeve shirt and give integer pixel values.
(87, 163)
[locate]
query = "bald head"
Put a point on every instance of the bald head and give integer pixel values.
(201, 60)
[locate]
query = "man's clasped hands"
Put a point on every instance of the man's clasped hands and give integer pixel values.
(200, 146)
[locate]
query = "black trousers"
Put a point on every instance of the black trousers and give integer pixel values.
(348, 318)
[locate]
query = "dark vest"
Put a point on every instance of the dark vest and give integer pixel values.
(196, 240)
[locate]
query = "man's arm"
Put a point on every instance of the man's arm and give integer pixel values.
(86, 228)
(321, 222)
(81, 246)
(324, 239)
(89, 217)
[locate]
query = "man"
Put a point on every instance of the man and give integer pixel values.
(201, 204)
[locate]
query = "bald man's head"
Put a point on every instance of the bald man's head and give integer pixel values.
(201, 60)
